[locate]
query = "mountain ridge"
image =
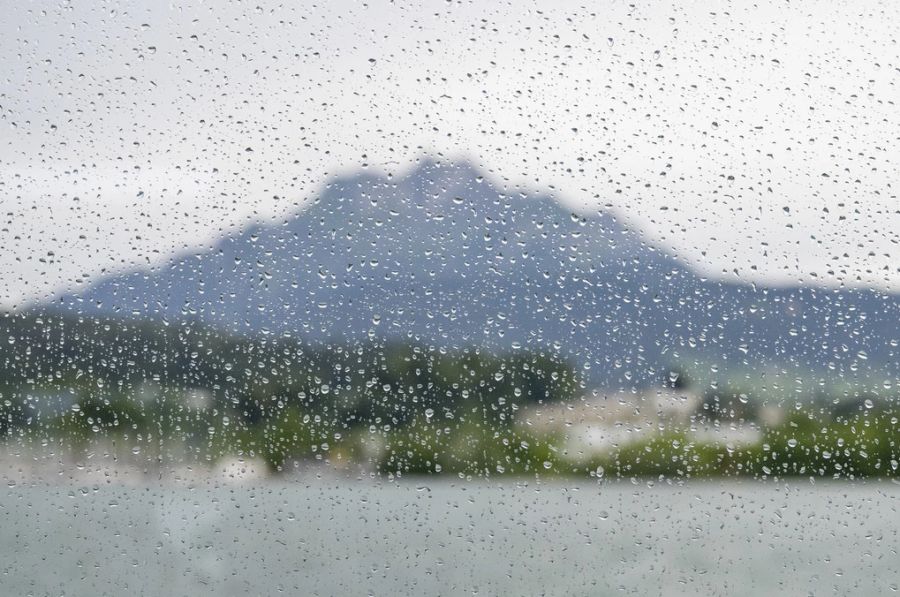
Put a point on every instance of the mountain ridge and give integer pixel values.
(441, 256)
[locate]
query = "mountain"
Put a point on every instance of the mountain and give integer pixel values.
(444, 256)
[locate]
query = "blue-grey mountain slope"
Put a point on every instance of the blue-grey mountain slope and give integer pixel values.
(444, 257)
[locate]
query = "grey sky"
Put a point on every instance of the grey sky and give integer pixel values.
(759, 142)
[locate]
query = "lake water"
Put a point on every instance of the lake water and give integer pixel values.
(417, 538)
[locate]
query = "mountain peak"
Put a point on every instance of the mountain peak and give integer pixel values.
(431, 188)
(440, 255)
(457, 170)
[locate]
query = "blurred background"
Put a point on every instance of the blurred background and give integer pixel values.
(610, 289)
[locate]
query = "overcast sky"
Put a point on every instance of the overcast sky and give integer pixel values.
(760, 142)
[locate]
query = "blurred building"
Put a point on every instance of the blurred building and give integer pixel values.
(600, 421)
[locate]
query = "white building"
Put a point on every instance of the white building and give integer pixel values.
(600, 421)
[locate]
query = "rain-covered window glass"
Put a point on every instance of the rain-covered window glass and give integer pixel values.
(449, 298)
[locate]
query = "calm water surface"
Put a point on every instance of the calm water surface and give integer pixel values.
(359, 538)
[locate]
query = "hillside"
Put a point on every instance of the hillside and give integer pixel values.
(445, 257)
